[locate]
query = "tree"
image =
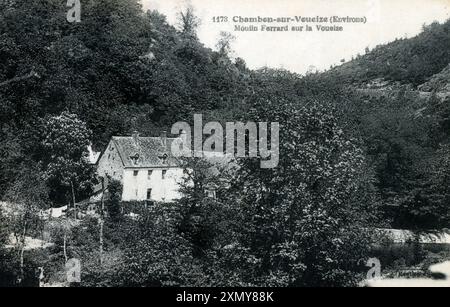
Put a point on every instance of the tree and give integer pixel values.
(115, 197)
(436, 193)
(224, 45)
(157, 255)
(306, 221)
(401, 136)
(66, 166)
(11, 153)
(204, 217)
(3, 230)
(7, 261)
(188, 22)
(28, 194)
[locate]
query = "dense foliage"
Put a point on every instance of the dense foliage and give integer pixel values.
(352, 157)
(412, 60)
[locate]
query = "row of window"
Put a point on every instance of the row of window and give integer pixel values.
(150, 173)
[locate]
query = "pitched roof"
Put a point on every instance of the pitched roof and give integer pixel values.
(145, 151)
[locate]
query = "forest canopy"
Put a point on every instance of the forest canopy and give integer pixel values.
(365, 144)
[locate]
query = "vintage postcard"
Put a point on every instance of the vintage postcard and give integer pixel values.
(224, 151)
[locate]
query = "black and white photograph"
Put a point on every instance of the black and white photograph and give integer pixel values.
(224, 151)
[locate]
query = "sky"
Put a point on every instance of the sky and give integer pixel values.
(300, 51)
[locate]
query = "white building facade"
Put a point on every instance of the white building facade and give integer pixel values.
(144, 166)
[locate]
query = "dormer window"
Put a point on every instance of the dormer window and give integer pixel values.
(135, 158)
(164, 158)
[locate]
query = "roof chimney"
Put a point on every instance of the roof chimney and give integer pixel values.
(135, 136)
(164, 138)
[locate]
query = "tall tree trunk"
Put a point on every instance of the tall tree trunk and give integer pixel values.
(102, 210)
(101, 241)
(73, 199)
(22, 252)
(65, 246)
(22, 271)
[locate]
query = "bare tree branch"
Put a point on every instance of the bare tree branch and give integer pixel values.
(21, 78)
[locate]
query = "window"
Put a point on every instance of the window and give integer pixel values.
(210, 193)
(149, 194)
(135, 159)
(164, 173)
(150, 173)
(135, 173)
(164, 158)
